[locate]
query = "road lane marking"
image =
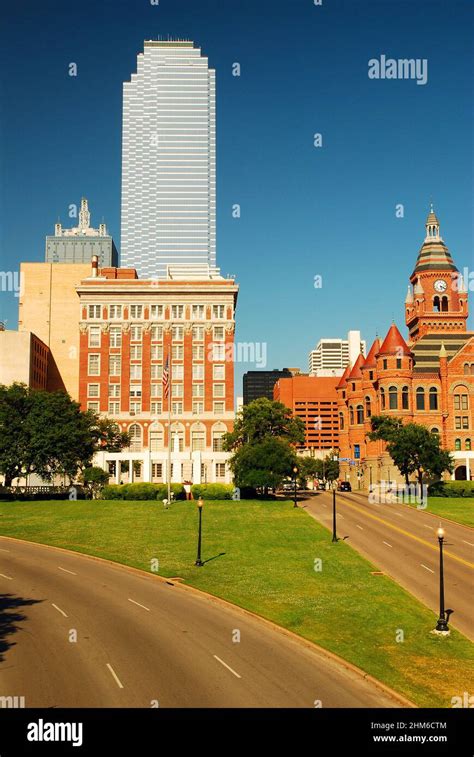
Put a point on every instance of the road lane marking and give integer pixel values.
(426, 568)
(407, 533)
(117, 679)
(388, 545)
(226, 666)
(359, 527)
(138, 604)
(468, 542)
(4, 550)
(67, 571)
(9, 578)
(429, 527)
(59, 609)
(399, 515)
(340, 516)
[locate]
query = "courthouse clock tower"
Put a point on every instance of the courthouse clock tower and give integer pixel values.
(437, 296)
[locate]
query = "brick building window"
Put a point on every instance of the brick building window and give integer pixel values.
(135, 432)
(135, 406)
(156, 408)
(177, 372)
(218, 312)
(198, 352)
(198, 408)
(93, 390)
(94, 336)
(405, 402)
(341, 421)
(156, 311)
(156, 333)
(177, 333)
(156, 371)
(177, 390)
(218, 441)
(115, 312)
(136, 311)
(177, 352)
(177, 408)
(461, 402)
(156, 352)
(94, 311)
(219, 408)
(198, 441)
(198, 390)
(218, 333)
(156, 390)
(198, 372)
(157, 470)
(157, 441)
(135, 333)
(177, 311)
(198, 333)
(360, 414)
(198, 312)
(93, 365)
(94, 406)
(393, 398)
(368, 407)
(382, 398)
(351, 415)
(457, 444)
(420, 398)
(135, 371)
(218, 372)
(468, 444)
(115, 336)
(114, 390)
(219, 390)
(136, 352)
(433, 394)
(114, 407)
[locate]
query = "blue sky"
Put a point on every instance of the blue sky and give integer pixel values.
(306, 211)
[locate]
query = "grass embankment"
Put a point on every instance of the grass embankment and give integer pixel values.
(459, 509)
(268, 567)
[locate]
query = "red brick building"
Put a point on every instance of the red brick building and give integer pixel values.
(314, 399)
(128, 329)
(428, 379)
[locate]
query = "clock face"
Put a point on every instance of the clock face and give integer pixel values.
(440, 285)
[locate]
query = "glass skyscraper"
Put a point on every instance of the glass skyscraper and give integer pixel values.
(169, 163)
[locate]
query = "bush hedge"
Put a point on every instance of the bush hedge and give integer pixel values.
(10, 495)
(141, 491)
(212, 491)
(451, 489)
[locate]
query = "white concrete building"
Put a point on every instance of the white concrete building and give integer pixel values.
(169, 161)
(331, 356)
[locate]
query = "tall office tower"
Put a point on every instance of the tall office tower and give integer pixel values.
(331, 356)
(80, 243)
(169, 164)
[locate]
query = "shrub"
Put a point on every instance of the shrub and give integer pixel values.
(451, 489)
(212, 491)
(112, 491)
(141, 491)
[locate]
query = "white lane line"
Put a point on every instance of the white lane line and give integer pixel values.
(388, 545)
(226, 666)
(59, 609)
(399, 515)
(468, 542)
(426, 568)
(138, 604)
(425, 526)
(9, 578)
(359, 527)
(67, 571)
(4, 550)
(117, 680)
(340, 516)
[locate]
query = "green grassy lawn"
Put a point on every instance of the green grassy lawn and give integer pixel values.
(268, 567)
(460, 509)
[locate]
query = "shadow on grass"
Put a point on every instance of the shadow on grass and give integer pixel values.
(221, 554)
(10, 617)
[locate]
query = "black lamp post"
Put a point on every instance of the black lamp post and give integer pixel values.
(370, 474)
(442, 624)
(199, 562)
(334, 530)
(295, 474)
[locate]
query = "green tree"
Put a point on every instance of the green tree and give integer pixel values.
(262, 444)
(413, 448)
(261, 419)
(308, 468)
(94, 478)
(48, 434)
(264, 464)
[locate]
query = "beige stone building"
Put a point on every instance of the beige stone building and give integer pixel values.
(48, 307)
(23, 358)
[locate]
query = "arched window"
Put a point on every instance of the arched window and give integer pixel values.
(444, 304)
(466, 369)
(157, 438)
(341, 421)
(368, 407)
(457, 444)
(436, 304)
(468, 444)
(435, 430)
(351, 415)
(393, 398)
(382, 398)
(198, 437)
(405, 402)
(218, 432)
(433, 398)
(135, 432)
(360, 414)
(420, 398)
(177, 437)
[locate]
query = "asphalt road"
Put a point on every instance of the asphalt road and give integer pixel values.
(401, 541)
(141, 642)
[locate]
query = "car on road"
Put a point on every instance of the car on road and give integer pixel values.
(288, 486)
(345, 486)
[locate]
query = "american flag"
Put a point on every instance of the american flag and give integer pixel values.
(166, 378)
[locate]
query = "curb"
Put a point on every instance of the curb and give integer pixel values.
(176, 581)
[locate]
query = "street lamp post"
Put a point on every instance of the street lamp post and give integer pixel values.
(199, 562)
(370, 475)
(334, 533)
(295, 473)
(442, 624)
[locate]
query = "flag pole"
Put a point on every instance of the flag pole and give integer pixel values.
(169, 430)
